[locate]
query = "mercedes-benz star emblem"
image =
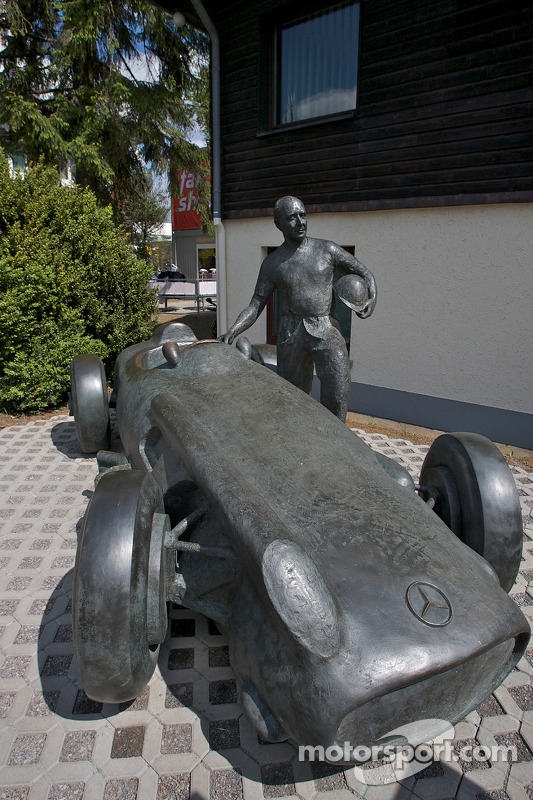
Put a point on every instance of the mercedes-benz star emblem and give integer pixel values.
(429, 604)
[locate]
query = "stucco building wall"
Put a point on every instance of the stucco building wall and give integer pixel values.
(454, 312)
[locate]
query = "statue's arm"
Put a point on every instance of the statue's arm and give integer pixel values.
(246, 318)
(263, 289)
(350, 264)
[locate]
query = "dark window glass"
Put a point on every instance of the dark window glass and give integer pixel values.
(317, 65)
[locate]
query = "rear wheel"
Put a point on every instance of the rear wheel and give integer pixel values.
(90, 404)
(119, 595)
(477, 498)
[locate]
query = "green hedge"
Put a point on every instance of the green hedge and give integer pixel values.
(69, 283)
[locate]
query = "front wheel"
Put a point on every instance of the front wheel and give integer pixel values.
(90, 405)
(477, 498)
(119, 610)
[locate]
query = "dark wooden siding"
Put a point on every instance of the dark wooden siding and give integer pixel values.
(444, 114)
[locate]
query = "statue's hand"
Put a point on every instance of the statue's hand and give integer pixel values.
(227, 338)
(368, 309)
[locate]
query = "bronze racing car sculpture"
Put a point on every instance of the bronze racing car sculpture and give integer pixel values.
(353, 601)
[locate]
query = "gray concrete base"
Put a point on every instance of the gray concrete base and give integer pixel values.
(498, 424)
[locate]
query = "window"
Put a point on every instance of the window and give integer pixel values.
(206, 258)
(17, 164)
(315, 65)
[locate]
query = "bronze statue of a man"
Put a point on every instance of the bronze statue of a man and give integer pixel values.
(302, 270)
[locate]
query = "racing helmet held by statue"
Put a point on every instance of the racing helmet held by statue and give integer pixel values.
(352, 291)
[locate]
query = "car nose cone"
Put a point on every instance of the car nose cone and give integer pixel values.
(447, 694)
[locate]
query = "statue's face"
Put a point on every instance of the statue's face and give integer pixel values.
(293, 222)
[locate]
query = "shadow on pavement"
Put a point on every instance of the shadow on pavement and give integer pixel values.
(63, 437)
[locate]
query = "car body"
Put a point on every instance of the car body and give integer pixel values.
(351, 608)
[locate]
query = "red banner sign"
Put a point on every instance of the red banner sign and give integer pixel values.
(185, 203)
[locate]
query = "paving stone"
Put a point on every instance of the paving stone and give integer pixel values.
(14, 793)
(221, 692)
(8, 607)
(490, 708)
(128, 742)
(63, 634)
(523, 697)
(278, 780)
(52, 582)
(67, 791)
(212, 628)
(466, 750)
(69, 544)
(6, 701)
(18, 584)
(5, 513)
(218, 656)
(181, 659)
(84, 705)
(139, 704)
(327, 777)
(179, 695)
(63, 562)
(182, 627)
(174, 787)
(30, 562)
(15, 666)
(121, 789)
(26, 634)
(225, 784)
(43, 703)
(27, 749)
(176, 739)
(522, 599)
(56, 666)
(41, 544)
(78, 746)
(13, 544)
(224, 734)
(515, 740)
(40, 607)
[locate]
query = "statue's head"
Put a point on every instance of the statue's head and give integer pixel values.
(291, 218)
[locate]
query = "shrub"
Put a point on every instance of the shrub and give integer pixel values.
(69, 283)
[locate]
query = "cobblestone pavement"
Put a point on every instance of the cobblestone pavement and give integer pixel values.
(186, 736)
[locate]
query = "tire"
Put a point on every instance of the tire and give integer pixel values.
(477, 499)
(119, 592)
(90, 405)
